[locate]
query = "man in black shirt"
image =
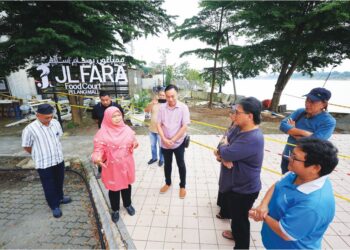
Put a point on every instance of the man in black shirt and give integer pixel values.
(98, 113)
(99, 108)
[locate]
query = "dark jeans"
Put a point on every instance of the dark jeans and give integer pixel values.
(239, 205)
(52, 181)
(114, 198)
(180, 160)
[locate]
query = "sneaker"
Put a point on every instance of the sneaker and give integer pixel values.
(160, 163)
(115, 216)
(131, 210)
(151, 161)
(182, 193)
(56, 212)
(66, 200)
(164, 189)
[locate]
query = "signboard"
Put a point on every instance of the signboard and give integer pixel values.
(81, 76)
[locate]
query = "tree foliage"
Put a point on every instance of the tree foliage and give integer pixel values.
(34, 30)
(210, 26)
(291, 36)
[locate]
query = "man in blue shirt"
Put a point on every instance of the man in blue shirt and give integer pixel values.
(298, 209)
(313, 121)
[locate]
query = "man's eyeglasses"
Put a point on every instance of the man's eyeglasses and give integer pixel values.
(239, 112)
(292, 157)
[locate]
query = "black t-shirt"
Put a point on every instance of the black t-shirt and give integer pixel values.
(99, 110)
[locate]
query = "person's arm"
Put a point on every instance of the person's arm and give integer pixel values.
(275, 226)
(150, 105)
(28, 149)
(179, 133)
(184, 123)
(168, 143)
(260, 212)
(288, 125)
(27, 140)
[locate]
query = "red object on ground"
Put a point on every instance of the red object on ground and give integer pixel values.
(266, 103)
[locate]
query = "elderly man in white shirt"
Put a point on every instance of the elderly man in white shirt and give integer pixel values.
(41, 139)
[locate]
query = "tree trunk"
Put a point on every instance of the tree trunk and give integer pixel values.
(76, 112)
(283, 78)
(234, 88)
(215, 59)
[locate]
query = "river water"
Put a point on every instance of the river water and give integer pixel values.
(292, 95)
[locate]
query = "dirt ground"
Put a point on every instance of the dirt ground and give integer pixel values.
(215, 116)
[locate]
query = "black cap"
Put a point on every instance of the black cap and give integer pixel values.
(45, 109)
(319, 94)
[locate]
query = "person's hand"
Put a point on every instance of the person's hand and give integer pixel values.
(218, 157)
(227, 164)
(136, 144)
(168, 143)
(259, 213)
(291, 122)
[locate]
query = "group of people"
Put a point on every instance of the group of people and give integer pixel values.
(295, 211)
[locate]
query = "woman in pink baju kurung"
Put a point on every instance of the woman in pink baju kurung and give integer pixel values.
(113, 150)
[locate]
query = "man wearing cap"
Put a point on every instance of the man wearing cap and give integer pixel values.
(41, 139)
(311, 121)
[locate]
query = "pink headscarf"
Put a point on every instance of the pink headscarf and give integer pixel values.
(111, 133)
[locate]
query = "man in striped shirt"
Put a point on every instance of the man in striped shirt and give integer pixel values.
(41, 139)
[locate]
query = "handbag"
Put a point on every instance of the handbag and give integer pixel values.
(187, 141)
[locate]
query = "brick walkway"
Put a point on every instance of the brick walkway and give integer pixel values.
(27, 222)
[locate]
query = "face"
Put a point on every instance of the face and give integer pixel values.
(106, 100)
(171, 97)
(297, 164)
(44, 119)
(241, 117)
(117, 118)
(161, 95)
(313, 107)
(232, 116)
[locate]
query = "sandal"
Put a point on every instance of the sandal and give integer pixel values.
(227, 234)
(219, 216)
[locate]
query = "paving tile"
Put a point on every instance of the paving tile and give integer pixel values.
(207, 236)
(159, 221)
(173, 235)
(336, 242)
(157, 234)
(186, 246)
(206, 223)
(140, 233)
(154, 245)
(190, 222)
(190, 236)
(172, 246)
(175, 221)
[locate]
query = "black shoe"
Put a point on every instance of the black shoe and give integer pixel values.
(160, 163)
(66, 200)
(151, 161)
(131, 210)
(56, 212)
(115, 216)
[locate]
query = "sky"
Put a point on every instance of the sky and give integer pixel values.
(147, 49)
